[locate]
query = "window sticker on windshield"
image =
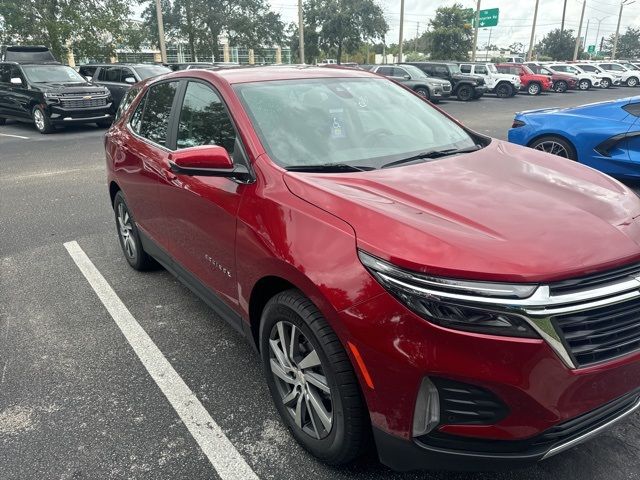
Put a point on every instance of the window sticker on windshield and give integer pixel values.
(337, 123)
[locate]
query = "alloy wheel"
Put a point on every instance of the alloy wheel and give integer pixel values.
(125, 228)
(584, 85)
(632, 82)
(300, 379)
(552, 147)
(605, 83)
(38, 119)
(534, 89)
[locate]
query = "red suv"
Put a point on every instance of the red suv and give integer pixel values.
(532, 83)
(468, 302)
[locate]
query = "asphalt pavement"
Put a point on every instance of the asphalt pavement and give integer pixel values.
(76, 400)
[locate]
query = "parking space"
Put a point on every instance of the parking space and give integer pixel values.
(76, 401)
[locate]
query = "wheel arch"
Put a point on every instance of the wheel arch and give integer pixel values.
(264, 290)
(114, 188)
(562, 136)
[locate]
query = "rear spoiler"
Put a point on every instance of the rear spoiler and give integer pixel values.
(28, 54)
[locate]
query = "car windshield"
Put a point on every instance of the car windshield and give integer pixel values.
(361, 122)
(544, 71)
(51, 74)
(148, 71)
(527, 70)
(492, 68)
(415, 72)
(453, 68)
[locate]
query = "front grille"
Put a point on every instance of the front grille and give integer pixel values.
(601, 334)
(596, 280)
(446, 88)
(83, 102)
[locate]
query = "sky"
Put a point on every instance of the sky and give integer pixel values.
(515, 21)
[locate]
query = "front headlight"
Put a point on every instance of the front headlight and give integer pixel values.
(450, 302)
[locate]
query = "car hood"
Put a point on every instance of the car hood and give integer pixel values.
(437, 81)
(71, 87)
(502, 213)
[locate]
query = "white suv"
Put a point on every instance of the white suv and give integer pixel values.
(629, 77)
(585, 80)
(502, 84)
(606, 78)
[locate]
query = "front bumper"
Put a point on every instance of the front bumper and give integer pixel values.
(480, 90)
(448, 452)
(440, 93)
(59, 115)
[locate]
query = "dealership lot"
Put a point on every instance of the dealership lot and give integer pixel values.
(76, 400)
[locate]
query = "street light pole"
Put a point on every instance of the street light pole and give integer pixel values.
(533, 31)
(163, 47)
(615, 41)
(401, 26)
(301, 31)
(564, 12)
(575, 50)
(599, 20)
(475, 32)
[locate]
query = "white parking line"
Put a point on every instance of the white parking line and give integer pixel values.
(13, 136)
(216, 446)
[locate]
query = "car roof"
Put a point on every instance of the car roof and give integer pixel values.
(274, 73)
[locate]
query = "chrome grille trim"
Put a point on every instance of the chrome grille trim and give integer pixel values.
(539, 309)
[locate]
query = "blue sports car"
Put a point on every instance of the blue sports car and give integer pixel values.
(605, 135)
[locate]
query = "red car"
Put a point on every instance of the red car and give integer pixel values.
(532, 83)
(561, 81)
(470, 303)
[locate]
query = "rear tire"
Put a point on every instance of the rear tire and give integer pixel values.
(129, 236)
(41, 120)
(504, 90)
(632, 82)
(555, 145)
(534, 88)
(584, 85)
(292, 330)
(465, 93)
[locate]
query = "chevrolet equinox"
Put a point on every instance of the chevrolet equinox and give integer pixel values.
(465, 302)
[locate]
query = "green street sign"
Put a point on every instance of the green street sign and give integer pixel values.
(591, 49)
(488, 17)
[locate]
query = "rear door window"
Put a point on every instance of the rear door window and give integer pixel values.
(386, 71)
(465, 68)
(157, 111)
(126, 102)
(204, 119)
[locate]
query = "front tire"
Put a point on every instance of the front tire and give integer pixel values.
(560, 87)
(465, 93)
(423, 92)
(504, 90)
(129, 236)
(605, 83)
(534, 88)
(632, 82)
(311, 380)
(41, 120)
(555, 145)
(584, 85)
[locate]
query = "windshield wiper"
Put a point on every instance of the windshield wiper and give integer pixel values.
(431, 154)
(328, 168)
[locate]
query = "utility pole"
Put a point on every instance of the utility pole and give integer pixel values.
(401, 25)
(415, 47)
(575, 50)
(163, 47)
(586, 36)
(564, 12)
(533, 31)
(475, 32)
(615, 41)
(301, 31)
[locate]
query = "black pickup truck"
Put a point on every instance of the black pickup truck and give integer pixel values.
(465, 87)
(34, 87)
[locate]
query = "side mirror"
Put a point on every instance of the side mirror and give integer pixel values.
(130, 80)
(16, 81)
(88, 77)
(406, 77)
(206, 161)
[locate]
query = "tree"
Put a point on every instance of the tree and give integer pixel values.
(344, 24)
(557, 44)
(516, 47)
(450, 37)
(90, 27)
(628, 44)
